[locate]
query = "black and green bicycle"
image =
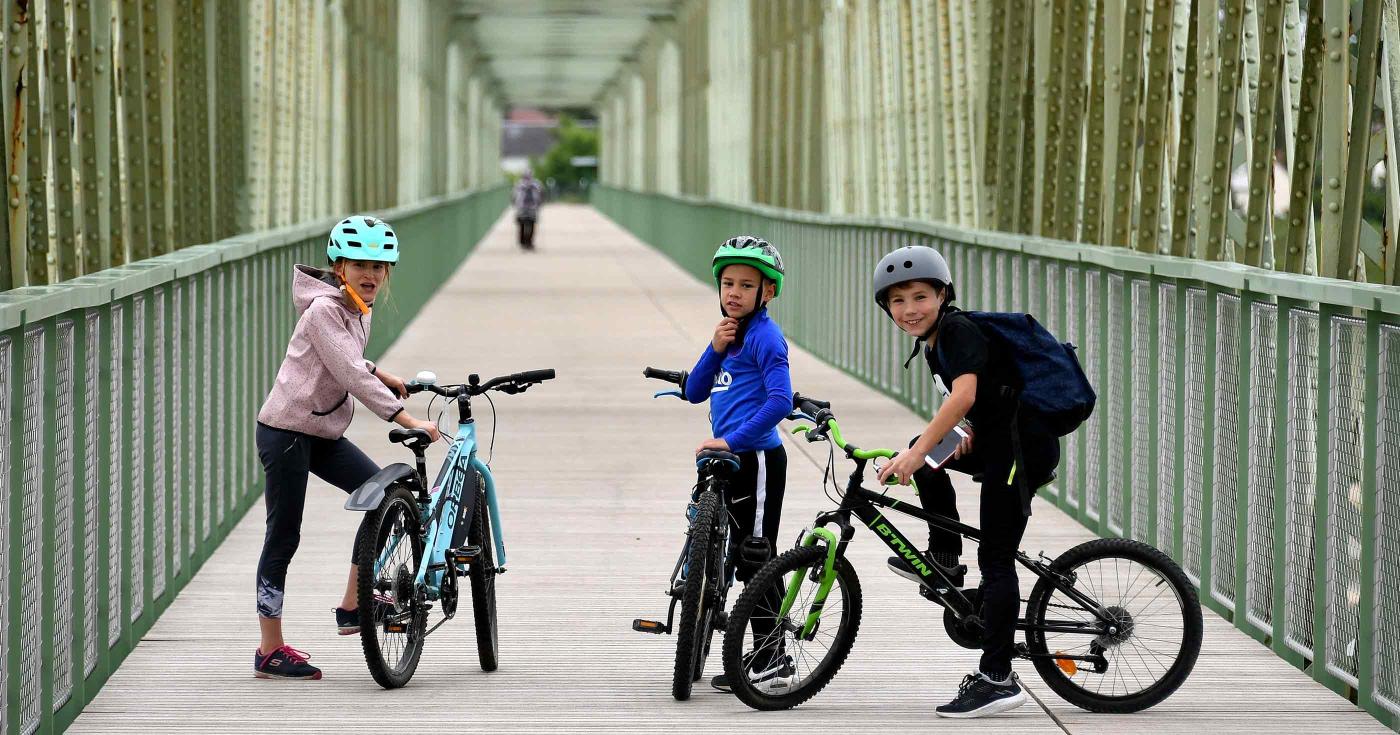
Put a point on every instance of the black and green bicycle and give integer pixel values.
(1112, 625)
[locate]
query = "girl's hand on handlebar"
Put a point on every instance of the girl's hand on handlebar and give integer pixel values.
(902, 467)
(393, 382)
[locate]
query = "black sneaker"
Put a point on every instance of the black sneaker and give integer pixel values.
(979, 696)
(284, 663)
(901, 567)
(773, 679)
(347, 622)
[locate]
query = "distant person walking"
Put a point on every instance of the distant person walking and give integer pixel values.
(526, 199)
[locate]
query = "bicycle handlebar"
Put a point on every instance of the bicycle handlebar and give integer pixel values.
(676, 377)
(513, 383)
(826, 427)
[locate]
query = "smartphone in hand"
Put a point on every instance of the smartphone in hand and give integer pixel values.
(943, 452)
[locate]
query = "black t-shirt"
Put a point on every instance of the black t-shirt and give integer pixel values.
(967, 349)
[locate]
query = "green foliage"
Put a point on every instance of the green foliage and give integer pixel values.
(572, 141)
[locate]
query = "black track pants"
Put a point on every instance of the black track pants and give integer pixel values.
(754, 500)
(1002, 524)
(287, 457)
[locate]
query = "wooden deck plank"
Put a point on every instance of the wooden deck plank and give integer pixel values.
(593, 476)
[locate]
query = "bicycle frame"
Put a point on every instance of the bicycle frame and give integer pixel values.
(455, 481)
(869, 507)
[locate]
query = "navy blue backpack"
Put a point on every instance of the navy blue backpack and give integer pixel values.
(1055, 385)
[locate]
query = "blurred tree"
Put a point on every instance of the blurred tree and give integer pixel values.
(556, 169)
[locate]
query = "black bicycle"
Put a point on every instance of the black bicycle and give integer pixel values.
(704, 572)
(1112, 625)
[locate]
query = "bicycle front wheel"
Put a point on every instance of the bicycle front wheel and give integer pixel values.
(1156, 635)
(791, 657)
(393, 618)
(696, 623)
(483, 581)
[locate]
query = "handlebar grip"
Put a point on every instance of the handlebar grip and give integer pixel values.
(809, 406)
(415, 388)
(534, 376)
(670, 376)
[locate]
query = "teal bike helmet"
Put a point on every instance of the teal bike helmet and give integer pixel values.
(362, 237)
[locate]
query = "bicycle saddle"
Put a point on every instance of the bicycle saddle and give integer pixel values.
(723, 461)
(411, 437)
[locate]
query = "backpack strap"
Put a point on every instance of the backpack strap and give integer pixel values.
(1018, 462)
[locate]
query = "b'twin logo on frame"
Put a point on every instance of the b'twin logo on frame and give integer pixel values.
(722, 381)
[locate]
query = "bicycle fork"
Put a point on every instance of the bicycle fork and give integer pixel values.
(834, 547)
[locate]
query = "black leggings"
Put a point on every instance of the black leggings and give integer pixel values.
(287, 457)
(1002, 523)
(527, 231)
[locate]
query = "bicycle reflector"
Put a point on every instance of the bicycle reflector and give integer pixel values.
(1067, 665)
(648, 626)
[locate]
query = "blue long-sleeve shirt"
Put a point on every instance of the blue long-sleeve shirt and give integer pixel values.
(749, 389)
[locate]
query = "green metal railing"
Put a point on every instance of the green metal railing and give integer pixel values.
(126, 422)
(1248, 421)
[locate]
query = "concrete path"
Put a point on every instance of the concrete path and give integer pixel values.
(593, 477)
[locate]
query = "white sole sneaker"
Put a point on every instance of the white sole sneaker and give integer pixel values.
(1004, 704)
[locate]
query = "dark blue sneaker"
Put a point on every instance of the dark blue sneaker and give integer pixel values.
(979, 696)
(284, 663)
(347, 622)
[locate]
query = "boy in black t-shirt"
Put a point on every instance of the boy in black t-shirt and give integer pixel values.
(980, 382)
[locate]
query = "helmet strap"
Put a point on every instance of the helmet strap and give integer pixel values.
(354, 297)
(919, 341)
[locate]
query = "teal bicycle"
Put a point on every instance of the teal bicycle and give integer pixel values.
(417, 541)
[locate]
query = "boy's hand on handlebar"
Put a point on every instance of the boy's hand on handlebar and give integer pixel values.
(718, 444)
(725, 334)
(902, 467)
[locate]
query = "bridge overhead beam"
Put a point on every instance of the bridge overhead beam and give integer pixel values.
(140, 128)
(1143, 124)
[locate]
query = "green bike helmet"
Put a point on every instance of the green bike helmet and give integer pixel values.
(362, 237)
(754, 251)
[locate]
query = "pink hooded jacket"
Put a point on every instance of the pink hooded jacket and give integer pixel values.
(325, 364)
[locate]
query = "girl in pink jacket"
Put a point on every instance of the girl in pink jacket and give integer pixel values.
(302, 423)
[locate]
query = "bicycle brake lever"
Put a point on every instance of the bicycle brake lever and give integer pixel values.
(675, 393)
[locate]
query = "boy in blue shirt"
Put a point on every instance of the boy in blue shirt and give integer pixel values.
(744, 375)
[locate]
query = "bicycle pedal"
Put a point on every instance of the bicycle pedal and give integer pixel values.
(649, 626)
(465, 554)
(932, 596)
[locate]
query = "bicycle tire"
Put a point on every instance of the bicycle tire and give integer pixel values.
(800, 561)
(1076, 692)
(483, 581)
(398, 507)
(696, 621)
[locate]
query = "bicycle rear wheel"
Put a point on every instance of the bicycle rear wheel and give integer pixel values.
(393, 619)
(483, 580)
(1158, 620)
(782, 666)
(697, 618)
